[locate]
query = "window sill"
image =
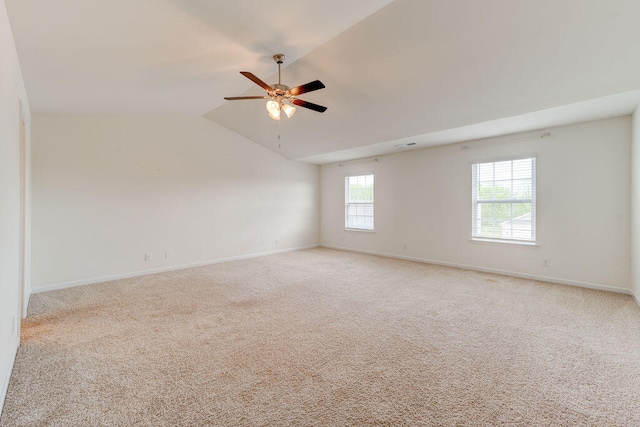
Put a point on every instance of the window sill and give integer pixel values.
(508, 242)
(364, 230)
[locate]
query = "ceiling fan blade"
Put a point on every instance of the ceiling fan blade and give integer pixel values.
(257, 81)
(309, 105)
(237, 98)
(309, 87)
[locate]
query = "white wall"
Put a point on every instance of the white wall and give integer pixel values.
(635, 205)
(12, 99)
(423, 201)
(108, 189)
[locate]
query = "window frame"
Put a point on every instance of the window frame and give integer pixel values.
(533, 200)
(347, 203)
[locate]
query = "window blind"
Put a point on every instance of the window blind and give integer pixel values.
(359, 202)
(504, 200)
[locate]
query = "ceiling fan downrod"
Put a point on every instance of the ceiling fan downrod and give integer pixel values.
(279, 58)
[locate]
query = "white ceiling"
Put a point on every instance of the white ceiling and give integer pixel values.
(145, 56)
(425, 71)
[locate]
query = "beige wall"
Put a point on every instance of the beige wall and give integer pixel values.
(635, 205)
(423, 201)
(13, 99)
(108, 189)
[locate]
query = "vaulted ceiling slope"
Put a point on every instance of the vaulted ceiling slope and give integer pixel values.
(424, 71)
(176, 56)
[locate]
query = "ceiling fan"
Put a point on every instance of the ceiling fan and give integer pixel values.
(281, 96)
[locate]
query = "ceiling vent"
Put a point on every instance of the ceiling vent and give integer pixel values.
(403, 146)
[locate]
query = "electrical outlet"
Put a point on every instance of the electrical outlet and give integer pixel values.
(404, 246)
(276, 241)
(546, 262)
(13, 325)
(148, 256)
(167, 254)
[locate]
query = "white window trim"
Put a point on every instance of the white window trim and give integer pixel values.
(533, 201)
(500, 241)
(346, 204)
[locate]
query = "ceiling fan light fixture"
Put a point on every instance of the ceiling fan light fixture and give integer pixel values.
(288, 110)
(275, 116)
(273, 107)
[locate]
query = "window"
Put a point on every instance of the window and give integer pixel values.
(504, 200)
(359, 202)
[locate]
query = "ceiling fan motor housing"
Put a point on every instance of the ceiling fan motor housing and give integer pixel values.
(279, 89)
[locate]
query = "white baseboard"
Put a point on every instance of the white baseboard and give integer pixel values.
(259, 254)
(493, 271)
(7, 374)
(635, 297)
(161, 270)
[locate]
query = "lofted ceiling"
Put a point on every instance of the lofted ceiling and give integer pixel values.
(424, 71)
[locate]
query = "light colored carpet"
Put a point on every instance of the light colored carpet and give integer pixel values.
(323, 337)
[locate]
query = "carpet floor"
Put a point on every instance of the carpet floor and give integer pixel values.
(324, 337)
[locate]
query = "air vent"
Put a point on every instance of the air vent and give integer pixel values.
(403, 146)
